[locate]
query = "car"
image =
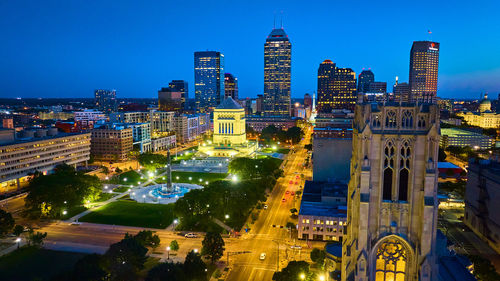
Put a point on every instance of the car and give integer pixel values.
(262, 256)
(296, 183)
(292, 193)
(287, 192)
(190, 235)
(75, 223)
(297, 247)
(265, 207)
(291, 182)
(283, 200)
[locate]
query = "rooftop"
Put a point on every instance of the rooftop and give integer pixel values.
(229, 103)
(277, 34)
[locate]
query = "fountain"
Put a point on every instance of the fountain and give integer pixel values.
(163, 193)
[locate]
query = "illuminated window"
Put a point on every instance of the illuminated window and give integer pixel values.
(391, 261)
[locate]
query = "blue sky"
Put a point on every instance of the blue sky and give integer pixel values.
(69, 48)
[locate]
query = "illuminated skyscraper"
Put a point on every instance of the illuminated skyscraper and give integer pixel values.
(230, 86)
(392, 205)
(364, 79)
(336, 87)
(400, 91)
(180, 86)
(424, 62)
(326, 77)
(277, 73)
(208, 79)
(105, 100)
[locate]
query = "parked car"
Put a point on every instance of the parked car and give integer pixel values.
(262, 256)
(283, 200)
(265, 207)
(190, 235)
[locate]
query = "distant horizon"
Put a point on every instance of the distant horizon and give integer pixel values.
(138, 49)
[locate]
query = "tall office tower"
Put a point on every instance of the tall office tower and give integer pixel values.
(326, 78)
(182, 87)
(105, 100)
(208, 79)
(308, 101)
(364, 79)
(230, 86)
(170, 100)
(424, 61)
(401, 91)
(377, 87)
(392, 204)
(277, 73)
(344, 89)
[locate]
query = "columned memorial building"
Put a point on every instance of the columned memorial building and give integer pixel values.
(392, 195)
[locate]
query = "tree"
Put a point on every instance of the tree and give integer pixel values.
(124, 259)
(293, 211)
(194, 267)
(174, 246)
(317, 255)
(18, 229)
(483, 269)
(6, 222)
(166, 271)
(89, 268)
(293, 272)
(50, 195)
(290, 225)
(294, 134)
(152, 160)
(213, 246)
(441, 155)
(146, 238)
(36, 239)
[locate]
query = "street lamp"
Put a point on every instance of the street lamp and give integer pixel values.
(168, 252)
(195, 250)
(65, 212)
(18, 241)
(226, 216)
(235, 178)
(302, 276)
(124, 179)
(321, 278)
(144, 198)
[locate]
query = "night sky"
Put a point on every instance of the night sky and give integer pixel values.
(68, 48)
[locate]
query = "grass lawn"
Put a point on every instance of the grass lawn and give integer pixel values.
(30, 263)
(121, 189)
(132, 214)
(132, 177)
(278, 150)
(195, 177)
(73, 212)
(105, 196)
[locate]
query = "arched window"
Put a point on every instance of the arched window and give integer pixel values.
(390, 119)
(387, 192)
(388, 171)
(407, 119)
(404, 171)
(391, 261)
(403, 185)
(421, 122)
(376, 121)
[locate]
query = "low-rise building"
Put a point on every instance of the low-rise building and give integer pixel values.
(258, 123)
(323, 211)
(163, 143)
(484, 118)
(111, 142)
(188, 127)
(482, 211)
(52, 115)
(38, 150)
(464, 138)
(161, 121)
(88, 118)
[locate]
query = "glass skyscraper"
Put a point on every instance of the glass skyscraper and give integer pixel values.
(230, 86)
(182, 87)
(277, 73)
(326, 76)
(364, 79)
(424, 61)
(105, 100)
(208, 79)
(336, 87)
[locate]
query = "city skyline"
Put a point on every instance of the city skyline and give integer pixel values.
(68, 62)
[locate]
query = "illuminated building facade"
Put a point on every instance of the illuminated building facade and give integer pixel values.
(392, 203)
(170, 100)
(326, 78)
(400, 91)
(111, 142)
(229, 134)
(336, 87)
(364, 79)
(377, 87)
(208, 79)
(38, 150)
(105, 100)
(424, 62)
(180, 86)
(277, 74)
(230, 86)
(484, 118)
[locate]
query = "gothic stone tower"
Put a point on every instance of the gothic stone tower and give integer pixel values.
(392, 199)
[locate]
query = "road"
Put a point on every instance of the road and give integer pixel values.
(263, 237)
